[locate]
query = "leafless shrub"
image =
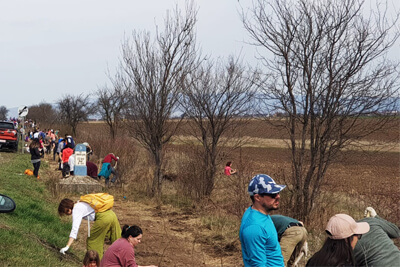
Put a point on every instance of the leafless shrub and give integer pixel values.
(44, 114)
(234, 186)
(52, 181)
(111, 102)
(153, 74)
(216, 99)
(189, 182)
(3, 113)
(74, 109)
(325, 79)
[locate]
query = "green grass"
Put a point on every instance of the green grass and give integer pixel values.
(33, 233)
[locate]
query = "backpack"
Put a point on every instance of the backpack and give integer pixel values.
(99, 202)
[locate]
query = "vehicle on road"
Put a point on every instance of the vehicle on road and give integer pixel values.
(8, 136)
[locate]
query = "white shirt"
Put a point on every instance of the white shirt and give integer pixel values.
(81, 210)
(71, 162)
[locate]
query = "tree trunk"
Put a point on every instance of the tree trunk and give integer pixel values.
(157, 179)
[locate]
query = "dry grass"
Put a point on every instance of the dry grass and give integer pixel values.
(350, 185)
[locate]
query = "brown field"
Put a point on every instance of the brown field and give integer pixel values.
(183, 232)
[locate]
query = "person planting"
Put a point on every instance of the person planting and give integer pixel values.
(105, 221)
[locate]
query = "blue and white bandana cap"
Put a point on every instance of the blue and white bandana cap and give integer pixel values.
(263, 184)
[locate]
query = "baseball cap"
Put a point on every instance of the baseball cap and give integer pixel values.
(263, 184)
(341, 226)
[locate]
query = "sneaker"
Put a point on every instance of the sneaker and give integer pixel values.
(66, 176)
(38, 177)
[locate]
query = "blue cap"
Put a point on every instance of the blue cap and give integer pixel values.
(263, 184)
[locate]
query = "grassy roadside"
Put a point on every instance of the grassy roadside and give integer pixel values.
(33, 233)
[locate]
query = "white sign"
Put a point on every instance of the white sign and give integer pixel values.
(80, 158)
(22, 111)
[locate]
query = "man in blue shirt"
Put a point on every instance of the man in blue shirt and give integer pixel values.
(258, 236)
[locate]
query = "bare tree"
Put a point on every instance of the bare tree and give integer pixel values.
(74, 109)
(112, 102)
(154, 74)
(217, 99)
(3, 113)
(43, 114)
(327, 69)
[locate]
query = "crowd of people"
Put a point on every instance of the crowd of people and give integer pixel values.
(62, 150)
(277, 240)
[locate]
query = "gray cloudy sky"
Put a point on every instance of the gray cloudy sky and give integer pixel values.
(51, 48)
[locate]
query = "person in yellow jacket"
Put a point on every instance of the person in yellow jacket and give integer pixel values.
(105, 224)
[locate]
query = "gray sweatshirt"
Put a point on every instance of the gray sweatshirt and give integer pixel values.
(376, 248)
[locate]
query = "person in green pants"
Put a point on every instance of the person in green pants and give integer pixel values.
(105, 224)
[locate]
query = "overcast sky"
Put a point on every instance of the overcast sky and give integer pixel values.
(49, 48)
(52, 48)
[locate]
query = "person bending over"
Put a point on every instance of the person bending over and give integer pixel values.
(105, 224)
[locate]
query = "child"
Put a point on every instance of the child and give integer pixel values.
(36, 154)
(91, 259)
(65, 154)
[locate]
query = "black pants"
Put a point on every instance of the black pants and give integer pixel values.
(36, 167)
(65, 169)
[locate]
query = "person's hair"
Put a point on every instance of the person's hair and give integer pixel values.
(91, 255)
(68, 145)
(334, 252)
(252, 199)
(133, 231)
(228, 163)
(65, 204)
(34, 144)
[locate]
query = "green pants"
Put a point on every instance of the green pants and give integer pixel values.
(105, 225)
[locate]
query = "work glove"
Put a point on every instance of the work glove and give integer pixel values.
(63, 250)
(304, 249)
(370, 212)
(303, 252)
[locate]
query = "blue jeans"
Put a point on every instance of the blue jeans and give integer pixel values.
(115, 175)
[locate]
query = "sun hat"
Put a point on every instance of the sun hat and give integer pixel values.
(341, 226)
(263, 184)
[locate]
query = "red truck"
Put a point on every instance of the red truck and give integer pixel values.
(8, 136)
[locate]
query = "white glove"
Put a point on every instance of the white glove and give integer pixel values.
(370, 212)
(63, 250)
(118, 158)
(304, 249)
(303, 252)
